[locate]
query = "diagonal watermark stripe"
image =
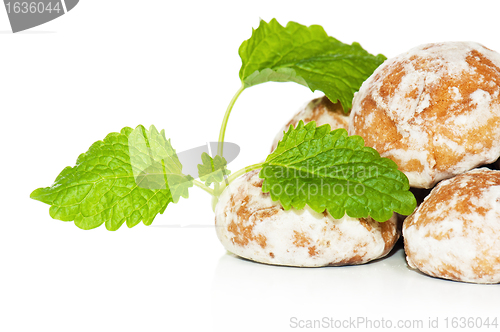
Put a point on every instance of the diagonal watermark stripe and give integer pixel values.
(25, 15)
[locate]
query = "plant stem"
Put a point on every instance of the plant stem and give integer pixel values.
(222, 133)
(237, 174)
(202, 186)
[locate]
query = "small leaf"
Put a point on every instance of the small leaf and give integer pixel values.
(128, 177)
(308, 56)
(329, 170)
(213, 169)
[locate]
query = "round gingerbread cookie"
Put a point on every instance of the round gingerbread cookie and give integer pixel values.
(455, 233)
(434, 110)
(322, 111)
(249, 224)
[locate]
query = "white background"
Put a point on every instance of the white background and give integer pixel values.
(115, 63)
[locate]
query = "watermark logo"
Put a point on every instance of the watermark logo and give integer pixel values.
(25, 15)
(156, 165)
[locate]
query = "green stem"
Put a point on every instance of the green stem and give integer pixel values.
(222, 133)
(202, 186)
(237, 174)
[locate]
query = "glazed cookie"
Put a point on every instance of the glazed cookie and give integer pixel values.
(249, 224)
(434, 110)
(322, 111)
(455, 233)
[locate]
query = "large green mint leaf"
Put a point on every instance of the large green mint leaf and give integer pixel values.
(212, 169)
(128, 177)
(308, 56)
(329, 170)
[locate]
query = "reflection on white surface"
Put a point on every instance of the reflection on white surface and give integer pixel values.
(248, 296)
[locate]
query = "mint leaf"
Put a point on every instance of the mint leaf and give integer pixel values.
(155, 163)
(213, 169)
(308, 56)
(128, 177)
(329, 170)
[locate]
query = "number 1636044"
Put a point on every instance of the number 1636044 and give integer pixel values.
(32, 7)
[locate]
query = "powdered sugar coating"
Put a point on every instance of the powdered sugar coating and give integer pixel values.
(455, 233)
(249, 224)
(322, 111)
(434, 110)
